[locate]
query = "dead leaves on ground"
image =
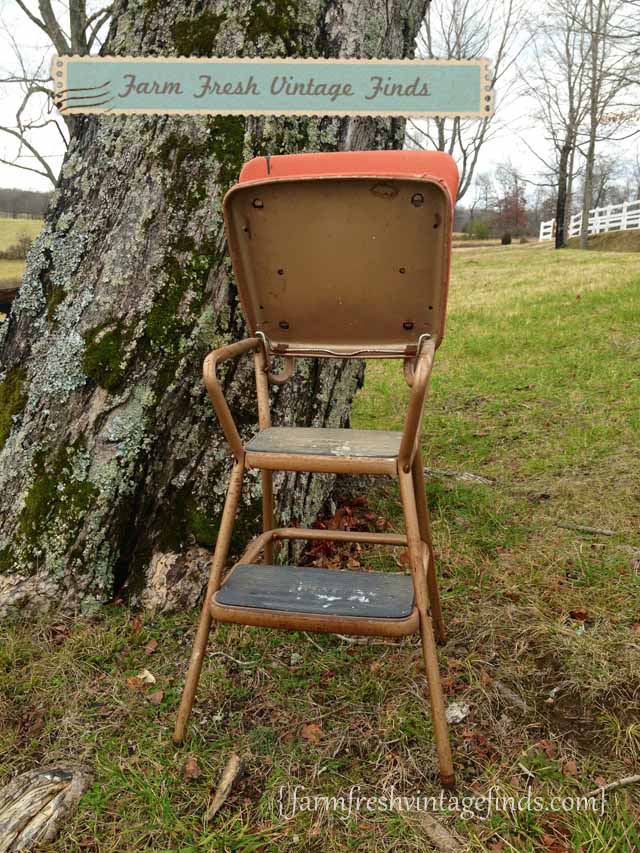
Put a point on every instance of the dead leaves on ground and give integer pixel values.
(354, 516)
(143, 680)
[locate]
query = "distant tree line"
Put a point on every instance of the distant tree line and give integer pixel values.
(504, 201)
(23, 204)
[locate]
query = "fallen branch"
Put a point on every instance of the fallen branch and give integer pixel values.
(231, 773)
(465, 476)
(611, 786)
(582, 528)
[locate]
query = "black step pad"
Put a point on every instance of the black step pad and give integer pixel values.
(371, 595)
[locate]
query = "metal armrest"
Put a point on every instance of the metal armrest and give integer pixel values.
(214, 389)
(418, 379)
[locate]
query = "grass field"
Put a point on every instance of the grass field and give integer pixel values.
(537, 390)
(11, 230)
(612, 241)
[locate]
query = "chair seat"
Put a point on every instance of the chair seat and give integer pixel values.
(314, 599)
(307, 441)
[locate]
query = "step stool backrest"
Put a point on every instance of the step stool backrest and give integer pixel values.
(346, 253)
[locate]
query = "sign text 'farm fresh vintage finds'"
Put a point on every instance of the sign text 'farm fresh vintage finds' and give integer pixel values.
(218, 86)
(280, 85)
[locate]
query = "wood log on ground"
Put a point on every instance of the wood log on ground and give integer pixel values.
(33, 804)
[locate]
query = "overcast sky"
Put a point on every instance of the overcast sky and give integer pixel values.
(514, 119)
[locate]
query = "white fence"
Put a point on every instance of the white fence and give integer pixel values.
(616, 217)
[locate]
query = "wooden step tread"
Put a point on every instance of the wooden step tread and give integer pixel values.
(321, 592)
(307, 441)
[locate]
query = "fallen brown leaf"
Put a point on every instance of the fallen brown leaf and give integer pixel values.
(312, 732)
(552, 845)
(156, 697)
(59, 633)
(191, 769)
(151, 646)
(548, 747)
(580, 615)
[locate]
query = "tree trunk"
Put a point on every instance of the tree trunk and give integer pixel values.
(109, 451)
(596, 18)
(587, 200)
(569, 199)
(562, 197)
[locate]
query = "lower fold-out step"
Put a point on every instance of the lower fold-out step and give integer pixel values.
(313, 599)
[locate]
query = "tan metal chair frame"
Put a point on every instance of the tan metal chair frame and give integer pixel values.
(407, 467)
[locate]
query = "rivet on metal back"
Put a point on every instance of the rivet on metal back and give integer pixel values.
(417, 199)
(283, 324)
(257, 202)
(408, 325)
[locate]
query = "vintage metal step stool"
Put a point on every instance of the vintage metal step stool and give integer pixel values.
(336, 255)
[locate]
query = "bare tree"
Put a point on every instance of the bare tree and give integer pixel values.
(468, 29)
(557, 80)
(72, 29)
(609, 74)
(634, 177)
(485, 191)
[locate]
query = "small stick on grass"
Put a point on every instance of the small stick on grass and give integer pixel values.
(231, 773)
(582, 528)
(465, 476)
(611, 786)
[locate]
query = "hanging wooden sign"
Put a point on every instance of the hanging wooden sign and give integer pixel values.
(249, 86)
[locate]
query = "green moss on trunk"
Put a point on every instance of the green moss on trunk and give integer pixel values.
(104, 358)
(7, 559)
(196, 36)
(13, 399)
(56, 503)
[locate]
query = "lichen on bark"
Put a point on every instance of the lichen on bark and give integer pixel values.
(113, 453)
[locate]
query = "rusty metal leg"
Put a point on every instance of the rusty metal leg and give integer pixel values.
(425, 533)
(204, 625)
(267, 512)
(436, 697)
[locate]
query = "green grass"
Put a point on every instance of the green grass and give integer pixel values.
(536, 388)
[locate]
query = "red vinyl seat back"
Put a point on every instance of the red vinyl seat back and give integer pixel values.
(344, 253)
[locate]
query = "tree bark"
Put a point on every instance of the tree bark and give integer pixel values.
(109, 451)
(562, 196)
